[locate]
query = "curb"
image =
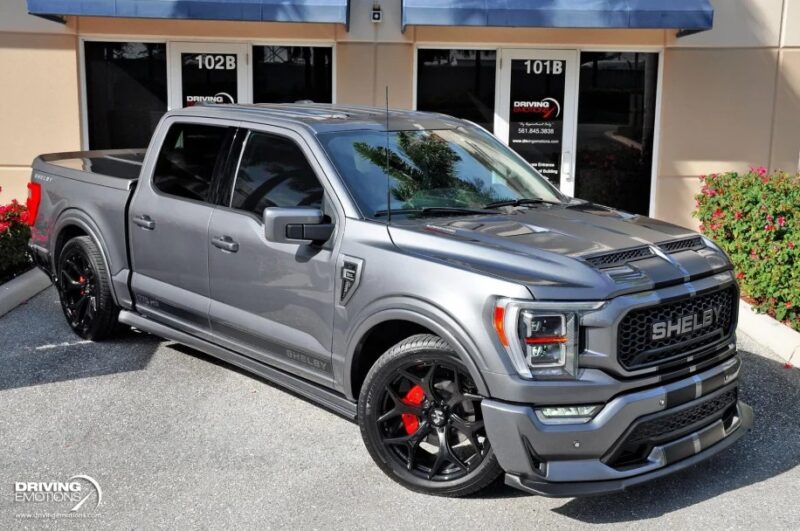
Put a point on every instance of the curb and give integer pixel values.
(776, 336)
(20, 289)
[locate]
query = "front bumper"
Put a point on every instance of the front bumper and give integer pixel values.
(670, 426)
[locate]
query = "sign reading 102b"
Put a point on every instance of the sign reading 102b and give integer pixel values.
(538, 67)
(216, 62)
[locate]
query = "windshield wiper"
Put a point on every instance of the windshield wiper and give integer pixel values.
(520, 202)
(434, 211)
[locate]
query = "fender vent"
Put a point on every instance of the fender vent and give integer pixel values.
(617, 258)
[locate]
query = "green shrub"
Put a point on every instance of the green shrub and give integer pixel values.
(755, 218)
(14, 235)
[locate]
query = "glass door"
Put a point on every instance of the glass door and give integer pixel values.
(208, 73)
(536, 110)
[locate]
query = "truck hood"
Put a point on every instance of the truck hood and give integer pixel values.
(574, 251)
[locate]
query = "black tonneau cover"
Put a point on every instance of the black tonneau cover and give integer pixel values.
(115, 168)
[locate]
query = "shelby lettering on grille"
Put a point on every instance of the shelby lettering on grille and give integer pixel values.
(665, 332)
(684, 325)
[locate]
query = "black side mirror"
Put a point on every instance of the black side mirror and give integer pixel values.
(296, 225)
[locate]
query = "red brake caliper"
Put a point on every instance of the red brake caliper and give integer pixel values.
(414, 397)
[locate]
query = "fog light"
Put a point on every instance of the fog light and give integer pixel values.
(567, 414)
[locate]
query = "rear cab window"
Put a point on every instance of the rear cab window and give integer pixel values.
(189, 159)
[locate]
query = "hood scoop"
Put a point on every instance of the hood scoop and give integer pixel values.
(619, 258)
(689, 244)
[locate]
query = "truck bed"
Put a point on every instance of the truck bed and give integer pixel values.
(90, 192)
(118, 168)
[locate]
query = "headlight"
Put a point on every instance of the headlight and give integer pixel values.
(541, 338)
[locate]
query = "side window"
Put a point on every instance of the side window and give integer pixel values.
(274, 172)
(185, 165)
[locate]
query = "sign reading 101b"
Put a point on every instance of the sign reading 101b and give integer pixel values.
(215, 62)
(544, 67)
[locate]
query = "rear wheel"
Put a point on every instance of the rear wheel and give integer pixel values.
(421, 420)
(84, 288)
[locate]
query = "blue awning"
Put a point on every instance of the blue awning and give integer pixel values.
(693, 15)
(330, 11)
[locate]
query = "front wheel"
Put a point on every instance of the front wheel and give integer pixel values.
(84, 287)
(421, 420)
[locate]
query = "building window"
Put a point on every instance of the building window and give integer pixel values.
(126, 92)
(459, 83)
(286, 74)
(616, 120)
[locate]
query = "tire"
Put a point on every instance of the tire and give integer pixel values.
(84, 288)
(418, 403)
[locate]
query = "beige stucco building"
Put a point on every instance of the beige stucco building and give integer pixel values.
(641, 113)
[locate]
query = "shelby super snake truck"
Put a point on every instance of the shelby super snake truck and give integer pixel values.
(410, 271)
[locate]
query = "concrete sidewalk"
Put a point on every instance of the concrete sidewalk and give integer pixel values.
(771, 335)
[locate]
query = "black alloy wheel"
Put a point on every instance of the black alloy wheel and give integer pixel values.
(84, 289)
(79, 291)
(421, 419)
(430, 420)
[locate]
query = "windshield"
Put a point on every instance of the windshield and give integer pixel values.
(432, 170)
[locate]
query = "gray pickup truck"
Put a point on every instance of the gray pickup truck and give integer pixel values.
(410, 271)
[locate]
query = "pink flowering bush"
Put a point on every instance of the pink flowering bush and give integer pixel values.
(14, 235)
(755, 218)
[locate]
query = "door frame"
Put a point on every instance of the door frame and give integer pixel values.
(341, 209)
(175, 74)
(570, 103)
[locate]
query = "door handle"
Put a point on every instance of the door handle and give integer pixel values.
(145, 222)
(225, 243)
(566, 166)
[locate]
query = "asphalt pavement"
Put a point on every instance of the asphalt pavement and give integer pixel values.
(176, 439)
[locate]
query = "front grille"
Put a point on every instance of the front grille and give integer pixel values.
(636, 349)
(616, 258)
(689, 244)
(645, 434)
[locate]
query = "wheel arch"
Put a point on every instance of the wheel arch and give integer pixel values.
(73, 223)
(425, 319)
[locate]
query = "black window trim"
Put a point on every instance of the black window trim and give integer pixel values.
(223, 194)
(220, 164)
(233, 176)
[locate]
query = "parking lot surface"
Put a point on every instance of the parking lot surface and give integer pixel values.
(177, 439)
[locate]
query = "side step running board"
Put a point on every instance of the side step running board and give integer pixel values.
(328, 399)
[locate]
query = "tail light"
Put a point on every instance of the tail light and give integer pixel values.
(34, 198)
